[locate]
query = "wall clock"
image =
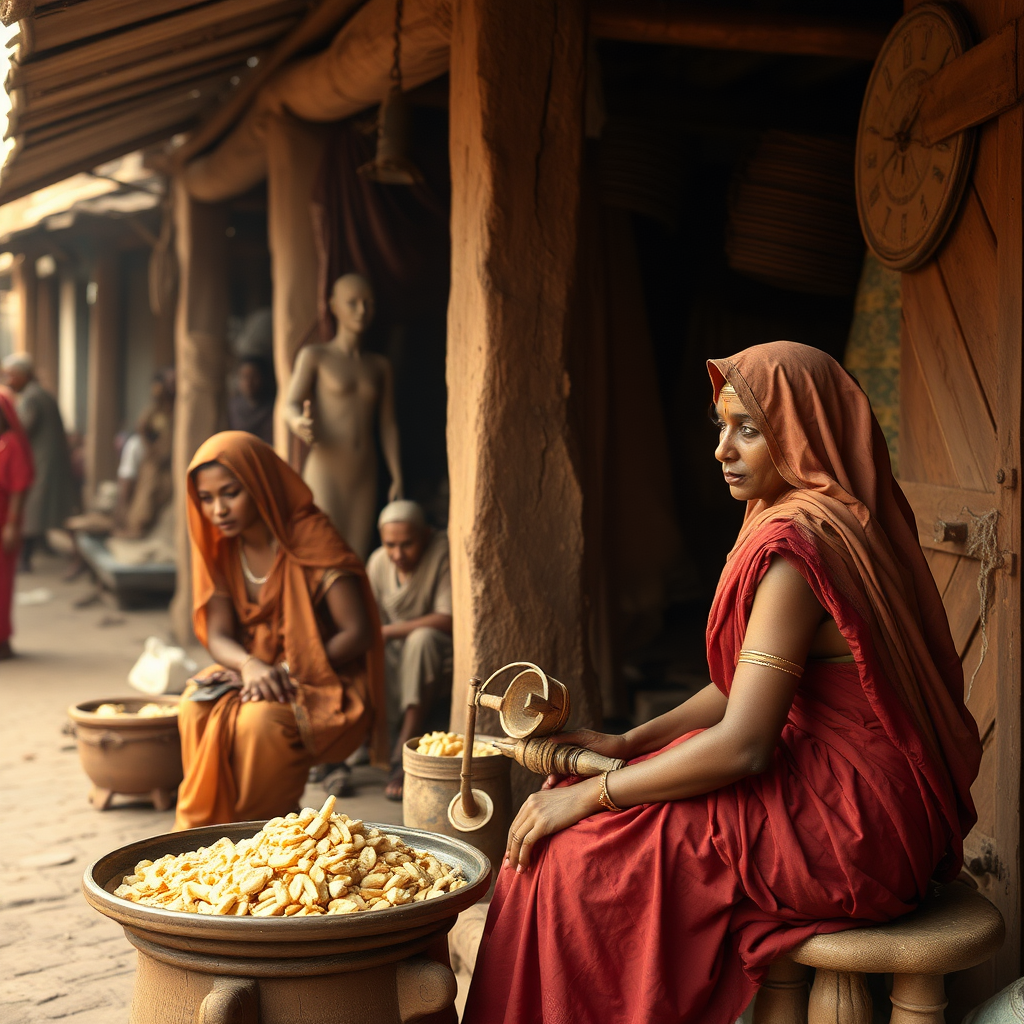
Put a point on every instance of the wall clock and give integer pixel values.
(907, 192)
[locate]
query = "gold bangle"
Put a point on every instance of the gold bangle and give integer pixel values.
(605, 799)
(770, 661)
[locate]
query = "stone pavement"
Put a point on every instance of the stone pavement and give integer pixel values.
(60, 959)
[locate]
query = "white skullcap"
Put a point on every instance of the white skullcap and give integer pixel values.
(402, 512)
(19, 361)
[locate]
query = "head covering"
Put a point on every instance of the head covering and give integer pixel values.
(283, 625)
(826, 443)
(19, 361)
(402, 512)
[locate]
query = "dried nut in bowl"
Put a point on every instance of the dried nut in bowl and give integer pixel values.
(303, 865)
(451, 744)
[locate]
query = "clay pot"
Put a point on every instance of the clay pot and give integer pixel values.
(432, 782)
(377, 967)
(127, 754)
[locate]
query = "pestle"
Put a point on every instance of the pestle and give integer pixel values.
(466, 775)
(544, 756)
(470, 809)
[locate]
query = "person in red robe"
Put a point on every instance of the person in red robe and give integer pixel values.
(818, 783)
(16, 475)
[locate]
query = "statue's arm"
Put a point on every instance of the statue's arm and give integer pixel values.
(389, 430)
(298, 413)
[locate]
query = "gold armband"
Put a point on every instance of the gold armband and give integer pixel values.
(605, 799)
(770, 661)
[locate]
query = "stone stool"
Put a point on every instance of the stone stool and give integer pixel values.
(953, 929)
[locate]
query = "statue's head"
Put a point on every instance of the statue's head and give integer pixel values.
(18, 370)
(352, 303)
(403, 534)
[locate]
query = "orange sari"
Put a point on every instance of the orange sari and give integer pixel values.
(249, 761)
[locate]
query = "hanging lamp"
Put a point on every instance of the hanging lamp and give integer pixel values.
(391, 164)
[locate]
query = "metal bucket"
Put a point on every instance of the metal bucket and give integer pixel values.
(387, 967)
(431, 783)
(127, 754)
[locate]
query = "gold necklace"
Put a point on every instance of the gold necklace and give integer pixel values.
(256, 581)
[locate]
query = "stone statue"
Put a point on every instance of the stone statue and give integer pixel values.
(338, 395)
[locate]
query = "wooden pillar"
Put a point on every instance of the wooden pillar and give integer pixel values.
(200, 359)
(294, 151)
(23, 277)
(46, 341)
(67, 360)
(102, 403)
(516, 523)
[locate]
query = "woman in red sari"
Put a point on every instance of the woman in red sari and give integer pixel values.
(817, 784)
(15, 479)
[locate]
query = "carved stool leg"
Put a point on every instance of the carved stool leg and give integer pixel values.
(163, 799)
(918, 999)
(782, 998)
(839, 997)
(101, 799)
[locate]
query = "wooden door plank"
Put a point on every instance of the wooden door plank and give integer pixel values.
(963, 603)
(985, 176)
(923, 451)
(961, 412)
(983, 691)
(942, 565)
(968, 268)
(933, 503)
(1006, 594)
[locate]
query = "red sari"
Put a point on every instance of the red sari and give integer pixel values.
(15, 476)
(673, 911)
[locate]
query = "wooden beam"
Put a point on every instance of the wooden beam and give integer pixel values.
(102, 405)
(516, 143)
(323, 20)
(657, 21)
(935, 505)
(974, 88)
(148, 41)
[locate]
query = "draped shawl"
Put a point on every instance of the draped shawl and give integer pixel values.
(827, 444)
(283, 624)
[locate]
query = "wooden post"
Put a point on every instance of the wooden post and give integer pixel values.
(67, 360)
(23, 277)
(516, 522)
(46, 344)
(102, 403)
(294, 150)
(201, 361)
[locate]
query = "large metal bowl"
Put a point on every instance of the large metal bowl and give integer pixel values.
(393, 934)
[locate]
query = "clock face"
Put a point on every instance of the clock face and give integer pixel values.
(907, 192)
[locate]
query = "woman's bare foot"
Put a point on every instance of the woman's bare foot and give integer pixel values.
(396, 783)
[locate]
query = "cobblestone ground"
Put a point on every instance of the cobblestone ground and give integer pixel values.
(60, 959)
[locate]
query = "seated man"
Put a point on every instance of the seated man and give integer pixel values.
(411, 580)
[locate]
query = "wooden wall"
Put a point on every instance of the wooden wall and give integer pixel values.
(959, 453)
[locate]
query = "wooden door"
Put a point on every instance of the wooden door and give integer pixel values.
(960, 424)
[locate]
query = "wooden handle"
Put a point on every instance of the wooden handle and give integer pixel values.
(469, 807)
(537, 705)
(544, 756)
(489, 700)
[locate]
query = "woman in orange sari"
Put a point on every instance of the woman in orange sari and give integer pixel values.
(817, 784)
(284, 607)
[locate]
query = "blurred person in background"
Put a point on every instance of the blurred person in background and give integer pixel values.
(15, 479)
(51, 498)
(411, 580)
(251, 407)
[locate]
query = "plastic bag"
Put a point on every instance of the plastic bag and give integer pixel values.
(161, 668)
